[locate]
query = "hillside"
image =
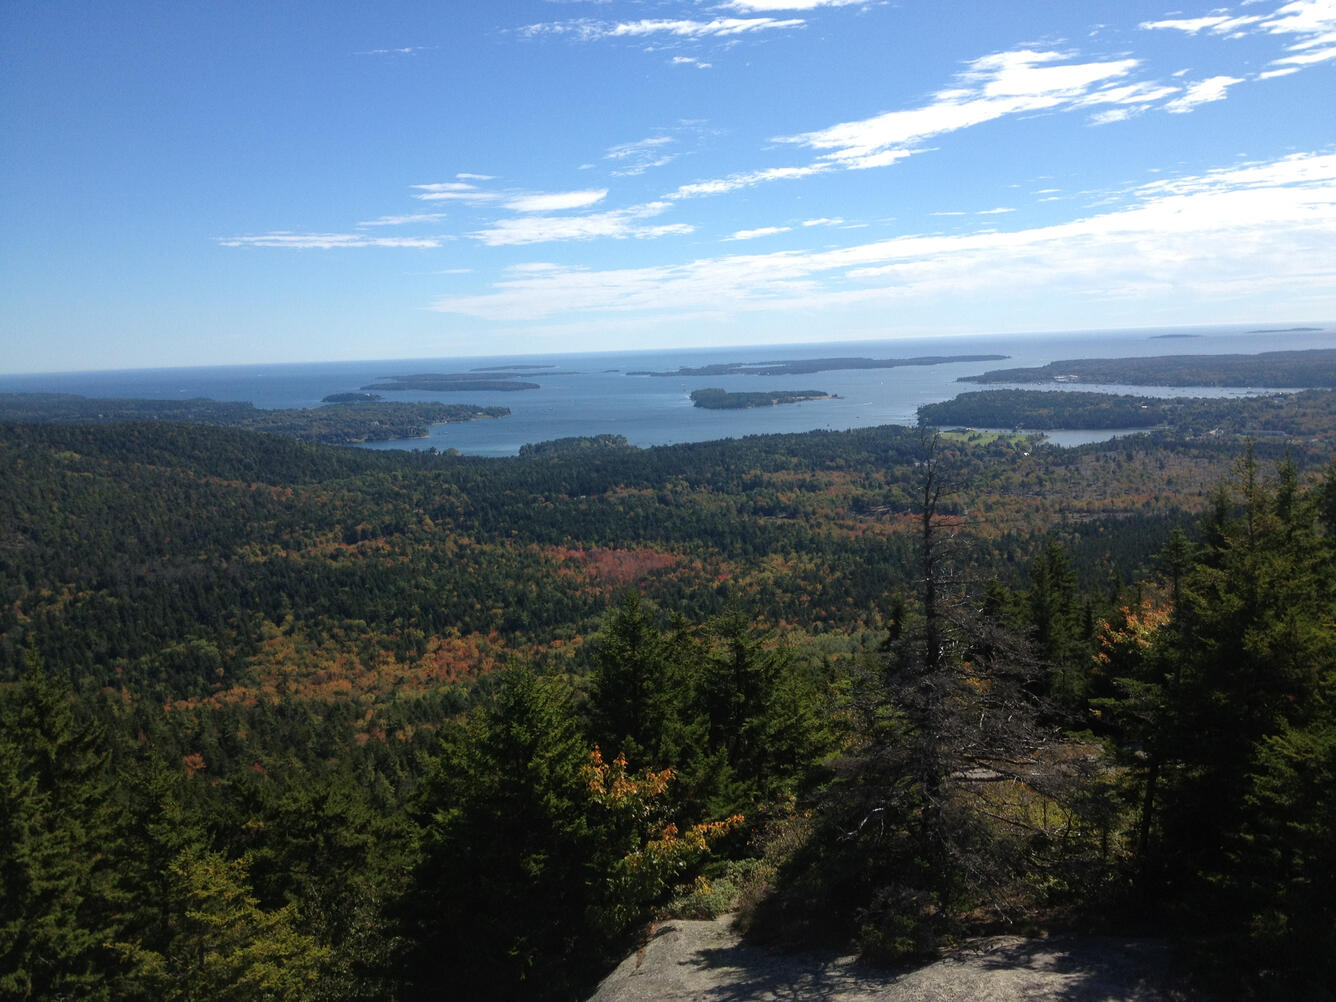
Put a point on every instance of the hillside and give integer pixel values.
(404, 719)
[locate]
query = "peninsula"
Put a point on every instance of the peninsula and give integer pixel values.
(1308, 369)
(332, 424)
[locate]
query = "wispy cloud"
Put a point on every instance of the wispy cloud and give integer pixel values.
(556, 201)
(746, 179)
(1314, 21)
(446, 186)
(751, 6)
(761, 231)
(1214, 24)
(1265, 226)
(993, 87)
(1201, 92)
(327, 241)
(1311, 22)
(635, 158)
(456, 191)
(408, 50)
(416, 217)
(617, 224)
(587, 30)
(689, 61)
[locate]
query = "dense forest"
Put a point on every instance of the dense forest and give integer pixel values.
(1304, 369)
(716, 399)
(1303, 415)
(281, 720)
(339, 422)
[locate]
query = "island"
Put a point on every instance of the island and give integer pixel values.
(1305, 369)
(448, 382)
(716, 399)
(806, 366)
(333, 424)
(512, 368)
(350, 398)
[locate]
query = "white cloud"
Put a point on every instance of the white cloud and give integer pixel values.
(635, 158)
(1201, 92)
(1298, 171)
(762, 231)
(416, 217)
(749, 6)
(408, 50)
(1312, 21)
(1112, 115)
(617, 224)
(535, 268)
(747, 179)
(1129, 94)
(469, 197)
(689, 61)
(326, 241)
(1262, 227)
(1215, 24)
(994, 212)
(824, 221)
(455, 191)
(446, 186)
(585, 30)
(556, 201)
(994, 86)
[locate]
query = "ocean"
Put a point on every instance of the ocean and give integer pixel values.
(596, 393)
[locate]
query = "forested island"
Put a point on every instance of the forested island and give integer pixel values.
(281, 720)
(1288, 415)
(722, 400)
(449, 382)
(1303, 369)
(805, 366)
(334, 424)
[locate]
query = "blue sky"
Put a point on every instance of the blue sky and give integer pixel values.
(265, 182)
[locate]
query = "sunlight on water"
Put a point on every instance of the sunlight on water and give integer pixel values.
(592, 394)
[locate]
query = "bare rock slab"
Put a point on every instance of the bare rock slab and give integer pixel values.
(704, 961)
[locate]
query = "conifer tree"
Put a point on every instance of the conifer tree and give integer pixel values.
(499, 895)
(62, 902)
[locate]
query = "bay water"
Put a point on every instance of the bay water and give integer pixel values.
(597, 393)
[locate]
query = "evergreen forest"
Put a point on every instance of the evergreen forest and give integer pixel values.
(283, 720)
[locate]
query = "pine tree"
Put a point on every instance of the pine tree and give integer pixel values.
(224, 947)
(499, 895)
(62, 903)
